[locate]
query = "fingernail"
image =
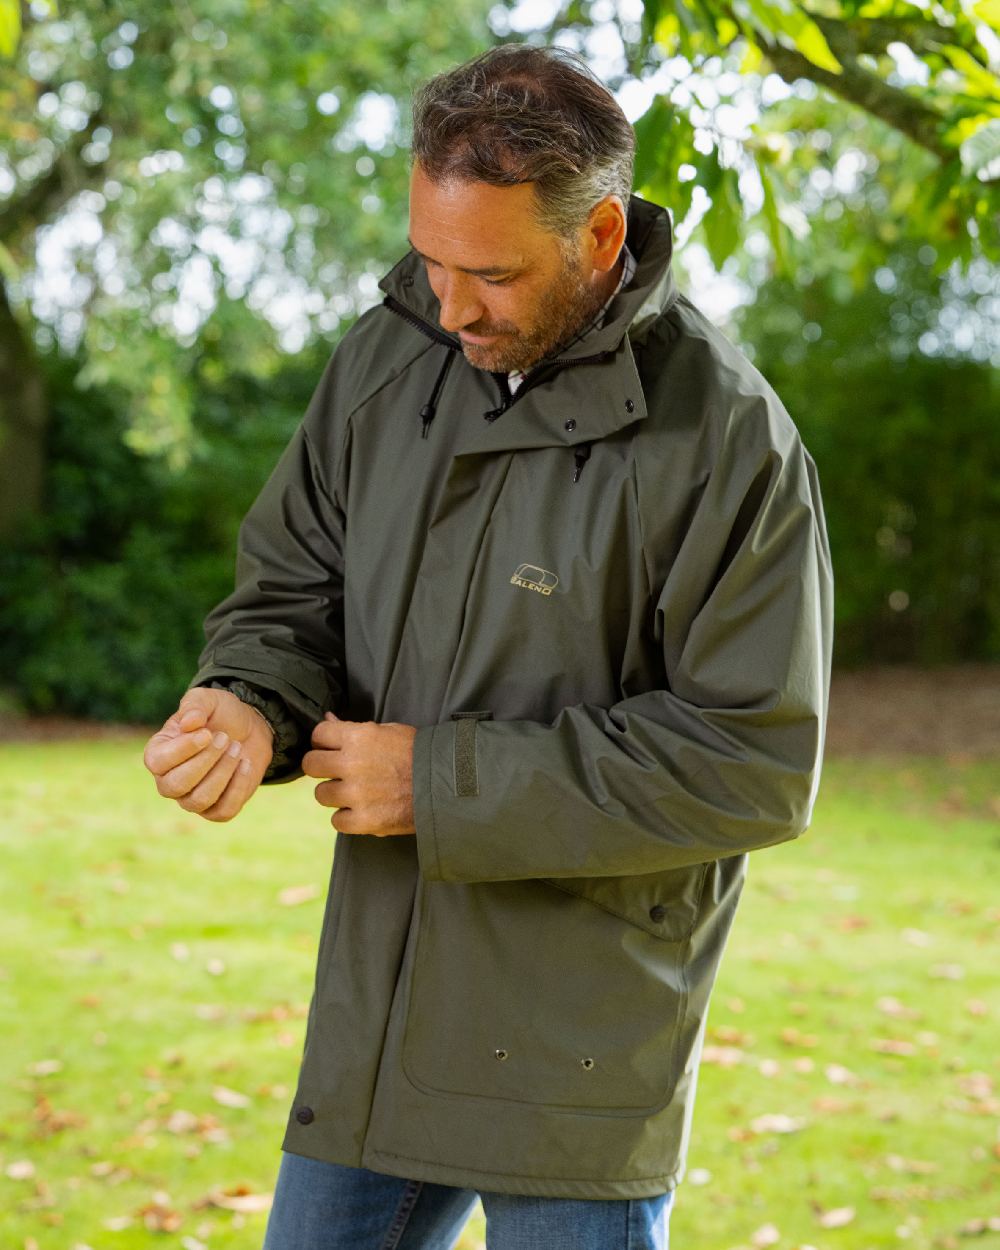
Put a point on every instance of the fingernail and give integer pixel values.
(220, 740)
(244, 767)
(234, 749)
(203, 737)
(329, 716)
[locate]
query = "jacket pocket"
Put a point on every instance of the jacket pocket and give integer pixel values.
(664, 904)
(529, 994)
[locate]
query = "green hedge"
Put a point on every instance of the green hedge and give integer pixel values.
(908, 451)
(105, 595)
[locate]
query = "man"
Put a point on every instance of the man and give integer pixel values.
(544, 575)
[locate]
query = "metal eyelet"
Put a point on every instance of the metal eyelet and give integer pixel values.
(501, 1054)
(587, 1064)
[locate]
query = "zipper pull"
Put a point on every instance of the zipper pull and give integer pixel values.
(581, 455)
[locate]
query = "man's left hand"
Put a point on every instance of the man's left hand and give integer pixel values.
(368, 771)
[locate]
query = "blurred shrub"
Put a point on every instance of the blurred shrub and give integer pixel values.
(104, 596)
(908, 450)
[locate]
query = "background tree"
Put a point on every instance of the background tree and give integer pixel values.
(203, 152)
(928, 73)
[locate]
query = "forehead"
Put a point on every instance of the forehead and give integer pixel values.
(474, 225)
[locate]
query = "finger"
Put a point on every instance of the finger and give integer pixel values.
(166, 750)
(242, 784)
(332, 793)
(329, 734)
(321, 763)
(192, 718)
(182, 779)
(345, 820)
(210, 789)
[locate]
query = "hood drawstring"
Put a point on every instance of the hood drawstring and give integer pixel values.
(506, 397)
(581, 454)
(430, 408)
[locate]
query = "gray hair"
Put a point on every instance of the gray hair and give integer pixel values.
(519, 114)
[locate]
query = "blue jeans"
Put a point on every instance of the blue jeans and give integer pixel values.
(323, 1206)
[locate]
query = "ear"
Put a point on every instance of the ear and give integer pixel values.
(606, 228)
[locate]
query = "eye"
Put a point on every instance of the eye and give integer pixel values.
(497, 281)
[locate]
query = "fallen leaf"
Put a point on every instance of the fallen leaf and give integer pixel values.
(293, 895)
(837, 1074)
(839, 1217)
(917, 937)
(769, 1067)
(893, 1007)
(236, 1198)
(793, 1037)
(914, 1166)
(117, 1223)
(946, 972)
(892, 1046)
(722, 1056)
(229, 1097)
(215, 967)
(975, 1228)
(45, 1067)
(20, 1170)
(699, 1176)
(776, 1124)
(767, 1235)
(159, 1218)
(976, 1007)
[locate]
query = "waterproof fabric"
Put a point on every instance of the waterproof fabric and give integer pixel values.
(618, 664)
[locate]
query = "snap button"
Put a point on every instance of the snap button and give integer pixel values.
(629, 406)
(570, 424)
(501, 1055)
(305, 1115)
(657, 913)
(407, 281)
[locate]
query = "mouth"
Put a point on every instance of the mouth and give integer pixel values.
(477, 340)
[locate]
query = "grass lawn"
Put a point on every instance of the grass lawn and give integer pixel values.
(155, 972)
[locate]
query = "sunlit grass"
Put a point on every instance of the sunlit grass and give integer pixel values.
(153, 989)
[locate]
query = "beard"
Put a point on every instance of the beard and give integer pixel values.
(563, 310)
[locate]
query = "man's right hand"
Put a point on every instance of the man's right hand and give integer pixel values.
(211, 754)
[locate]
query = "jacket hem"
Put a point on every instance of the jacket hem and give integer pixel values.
(512, 1183)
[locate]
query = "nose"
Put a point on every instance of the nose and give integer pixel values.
(459, 305)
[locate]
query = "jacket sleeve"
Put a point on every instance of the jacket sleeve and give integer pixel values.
(724, 759)
(281, 630)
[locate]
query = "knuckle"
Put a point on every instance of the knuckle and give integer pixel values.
(170, 788)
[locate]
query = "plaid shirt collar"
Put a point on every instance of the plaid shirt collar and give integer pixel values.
(515, 379)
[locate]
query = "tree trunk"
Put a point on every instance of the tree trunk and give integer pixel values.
(24, 416)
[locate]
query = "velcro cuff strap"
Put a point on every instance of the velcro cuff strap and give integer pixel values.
(466, 769)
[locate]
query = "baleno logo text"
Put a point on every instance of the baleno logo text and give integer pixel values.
(531, 577)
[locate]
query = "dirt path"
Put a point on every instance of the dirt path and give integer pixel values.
(882, 711)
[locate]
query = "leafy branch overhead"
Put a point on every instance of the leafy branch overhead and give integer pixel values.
(926, 74)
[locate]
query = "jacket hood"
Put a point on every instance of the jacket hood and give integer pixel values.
(603, 396)
(652, 290)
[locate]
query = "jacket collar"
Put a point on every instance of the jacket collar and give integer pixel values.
(595, 381)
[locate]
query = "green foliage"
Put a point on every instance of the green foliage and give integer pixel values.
(942, 101)
(248, 151)
(105, 596)
(908, 452)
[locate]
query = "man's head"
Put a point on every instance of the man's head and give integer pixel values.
(522, 171)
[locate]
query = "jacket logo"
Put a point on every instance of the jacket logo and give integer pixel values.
(531, 577)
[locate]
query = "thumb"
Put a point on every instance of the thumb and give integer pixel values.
(331, 716)
(196, 706)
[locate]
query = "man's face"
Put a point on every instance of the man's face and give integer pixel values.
(511, 290)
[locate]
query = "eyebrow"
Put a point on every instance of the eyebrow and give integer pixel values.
(488, 271)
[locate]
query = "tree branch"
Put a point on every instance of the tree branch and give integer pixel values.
(866, 90)
(67, 175)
